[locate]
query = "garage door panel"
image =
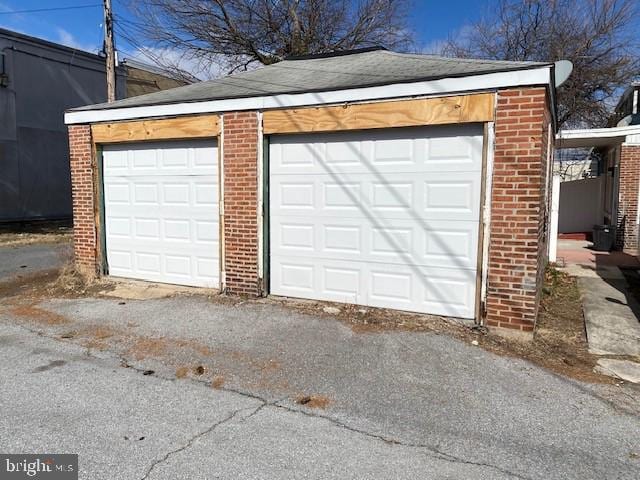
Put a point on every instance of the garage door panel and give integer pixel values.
(159, 191)
(435, 149)
(380, 218)
(431, 290)
(427, 196)
(161, 159)
(157, 247)
(183, 269)
(161, 215)
(430, 243)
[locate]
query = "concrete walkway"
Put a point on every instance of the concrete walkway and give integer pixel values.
(612, 327)
(610, 310)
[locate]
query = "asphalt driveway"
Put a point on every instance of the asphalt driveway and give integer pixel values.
(27, 259)
(196, 387)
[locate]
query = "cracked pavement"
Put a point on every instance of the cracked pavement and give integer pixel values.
(128, 386)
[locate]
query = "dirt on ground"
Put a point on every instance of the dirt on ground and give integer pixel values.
(313, 401)
(38, 314)
(65, 282)
(217, 382)
(559, 343)
(35, 232)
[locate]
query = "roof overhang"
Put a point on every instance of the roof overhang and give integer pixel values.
(595, 137)
(441, 87)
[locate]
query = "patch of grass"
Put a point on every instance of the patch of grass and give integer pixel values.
(560, 340)
(36, 232)
(553, 279)
(68, 282)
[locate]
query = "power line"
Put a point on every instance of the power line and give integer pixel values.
(36, 10)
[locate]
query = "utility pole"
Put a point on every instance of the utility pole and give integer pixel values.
(109, 51)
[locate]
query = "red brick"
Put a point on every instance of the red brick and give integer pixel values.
(241, 202)
(84, 231)
(519, 206)
(627, 229)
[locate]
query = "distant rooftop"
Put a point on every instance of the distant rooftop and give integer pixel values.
(132, 62)
(325, 72)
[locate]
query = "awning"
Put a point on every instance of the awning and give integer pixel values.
(595, 137)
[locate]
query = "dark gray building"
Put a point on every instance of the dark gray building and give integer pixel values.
(39, 80)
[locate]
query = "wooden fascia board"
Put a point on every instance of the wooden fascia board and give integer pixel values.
(193, 126)
(402, 113)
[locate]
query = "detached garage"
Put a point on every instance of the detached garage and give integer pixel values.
(410, 182)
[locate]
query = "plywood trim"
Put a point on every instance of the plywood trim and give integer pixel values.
(200, 126)
(481, 226)
(403, 113)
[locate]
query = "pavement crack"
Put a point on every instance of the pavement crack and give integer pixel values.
(198, 435)
(436, 452)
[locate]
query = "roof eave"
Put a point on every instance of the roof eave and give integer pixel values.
(595, 137)
(540, 75)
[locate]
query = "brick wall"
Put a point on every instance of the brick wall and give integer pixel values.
(517, 248)
(627, 233)
(241, 202)
(518, 227)
(84, 232)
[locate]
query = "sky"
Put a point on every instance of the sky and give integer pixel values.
(433, 21)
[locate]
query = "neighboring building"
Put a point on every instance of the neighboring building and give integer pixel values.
(576, 164)
(610, 195)
(143, 78)
(626, 112)
(371, 177)
(39, 80)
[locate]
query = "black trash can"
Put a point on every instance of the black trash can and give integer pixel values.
(604, 237)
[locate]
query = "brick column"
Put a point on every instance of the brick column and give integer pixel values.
(518, 227)
(84, 228)
(627, 233)
(240, 152)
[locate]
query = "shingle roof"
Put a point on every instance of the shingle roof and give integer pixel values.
(363, 68)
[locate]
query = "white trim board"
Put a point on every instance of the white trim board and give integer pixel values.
(597, 137)
(446, 86)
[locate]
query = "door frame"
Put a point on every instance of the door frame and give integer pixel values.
(144, 132)
(488, 139)
(266, 217)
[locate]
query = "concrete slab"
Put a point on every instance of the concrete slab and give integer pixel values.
(608, 272)
(139, 290)
(611, 325)
(623, 369)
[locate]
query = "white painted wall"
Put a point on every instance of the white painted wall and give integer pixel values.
(580, 205)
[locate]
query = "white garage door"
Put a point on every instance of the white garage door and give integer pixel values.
(386, 218)
(161, 212)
